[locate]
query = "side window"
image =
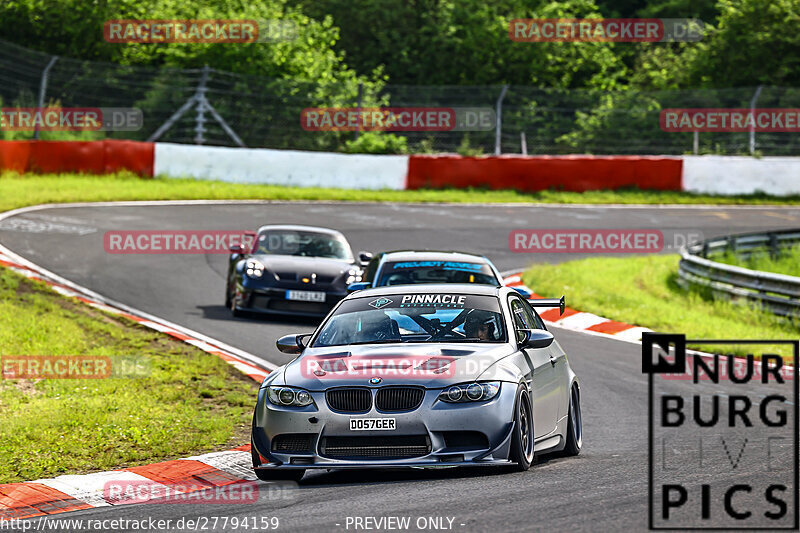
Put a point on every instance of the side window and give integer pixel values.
(521, 318)
(535, 318)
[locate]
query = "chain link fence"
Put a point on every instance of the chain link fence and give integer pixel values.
(227, 109)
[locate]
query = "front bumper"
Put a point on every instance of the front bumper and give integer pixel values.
(442, 425)
(273, 301)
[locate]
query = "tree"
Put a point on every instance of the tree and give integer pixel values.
(466, 42)
(755, 42)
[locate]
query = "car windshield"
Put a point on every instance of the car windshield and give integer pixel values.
(414, 272)
(419, 317)
(304, 244)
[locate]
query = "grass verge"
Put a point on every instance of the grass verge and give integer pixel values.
(643, 290)
(187, 401)
(19, 190)
(787, 262)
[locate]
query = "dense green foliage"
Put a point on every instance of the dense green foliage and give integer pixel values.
(748, 42)
(598, 94)
(74, 28)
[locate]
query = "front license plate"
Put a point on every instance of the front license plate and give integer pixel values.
(306, 296)
(372, 424)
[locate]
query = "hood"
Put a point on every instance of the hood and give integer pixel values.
(428, 365)
(293, 268)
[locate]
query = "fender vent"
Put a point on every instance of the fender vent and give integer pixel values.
(465, 440)
(292, 442)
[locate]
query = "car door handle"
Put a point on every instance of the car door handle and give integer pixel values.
(552, 360)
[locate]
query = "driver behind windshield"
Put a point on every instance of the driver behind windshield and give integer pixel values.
(414, 318)
(479, 325)
(376, 326)
(304, 244)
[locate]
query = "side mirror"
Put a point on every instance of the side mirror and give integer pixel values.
(525, 294)
(535, 338)
(292, 344)
(249, 241)
(364, 257)
(237, 249)
(353, 287)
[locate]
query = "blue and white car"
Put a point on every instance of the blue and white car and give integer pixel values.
(418, 267)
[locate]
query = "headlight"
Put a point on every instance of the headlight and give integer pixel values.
(289, 397)
(470, 392)
(254, 268)
(353, 276)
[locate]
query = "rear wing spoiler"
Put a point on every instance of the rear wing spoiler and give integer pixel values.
(549, 302)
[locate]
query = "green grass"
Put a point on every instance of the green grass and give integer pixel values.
(643, 291)
(787, 262)
(187, 401)
(30, 189)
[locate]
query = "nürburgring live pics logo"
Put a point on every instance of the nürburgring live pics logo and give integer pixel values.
(722, 435)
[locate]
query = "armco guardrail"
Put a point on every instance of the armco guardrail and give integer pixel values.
(778, 293)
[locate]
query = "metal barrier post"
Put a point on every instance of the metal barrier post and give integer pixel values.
(358, 106)
(499, 124)
(200, 119)
(753, 126)
(43, 89)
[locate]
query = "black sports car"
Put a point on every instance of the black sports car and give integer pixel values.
(292, 270)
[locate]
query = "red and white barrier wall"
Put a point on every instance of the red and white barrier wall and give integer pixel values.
(723, 175)
(91, 157)
(535, 173)
(716, 174)
(281, 167)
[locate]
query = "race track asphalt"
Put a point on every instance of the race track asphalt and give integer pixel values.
(603, 489)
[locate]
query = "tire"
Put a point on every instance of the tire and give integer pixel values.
(228, 296)
(575, 424)
(522, 440)
(232, 306)
(276, 474)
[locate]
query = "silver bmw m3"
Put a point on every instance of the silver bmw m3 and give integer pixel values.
(419, 376)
